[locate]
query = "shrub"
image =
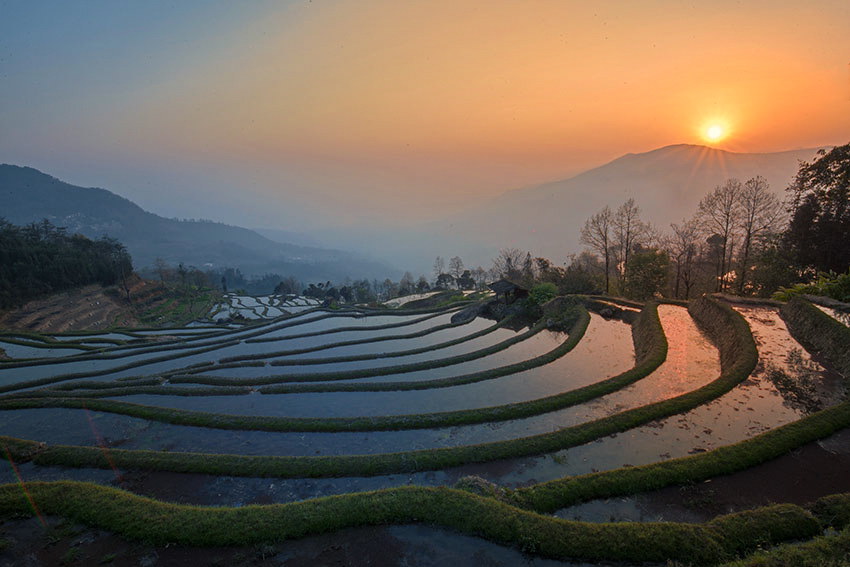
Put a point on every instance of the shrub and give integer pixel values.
(829, 284)
(542, 293)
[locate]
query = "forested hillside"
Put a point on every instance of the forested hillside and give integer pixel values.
(40, 259)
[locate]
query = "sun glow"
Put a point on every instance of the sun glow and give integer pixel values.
(714, 133)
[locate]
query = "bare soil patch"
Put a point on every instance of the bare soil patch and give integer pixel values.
(91, 308)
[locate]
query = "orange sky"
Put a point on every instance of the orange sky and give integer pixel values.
(357, 102)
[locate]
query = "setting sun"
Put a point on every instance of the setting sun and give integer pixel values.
(715, 133)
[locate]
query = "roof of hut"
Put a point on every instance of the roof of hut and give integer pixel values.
(505, 286)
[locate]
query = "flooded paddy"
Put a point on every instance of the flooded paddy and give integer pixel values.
(260, 307)
(183, 353)
(763, 401)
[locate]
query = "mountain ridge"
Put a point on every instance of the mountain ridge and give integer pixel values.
(30, 195)
(667, 183)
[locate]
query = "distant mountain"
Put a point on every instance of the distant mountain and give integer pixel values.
(287, 236)
(667, 184)
(28, 195)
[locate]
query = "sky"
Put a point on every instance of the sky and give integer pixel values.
(302, 115)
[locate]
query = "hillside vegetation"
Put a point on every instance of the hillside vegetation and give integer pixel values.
(40, 259)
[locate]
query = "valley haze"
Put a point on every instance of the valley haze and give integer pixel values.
(667, 183)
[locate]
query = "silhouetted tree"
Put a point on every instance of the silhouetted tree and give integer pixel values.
(444, 281)
(761, 213)
(629, 233)
(508, 264)
(465, 280)
(720, 215)
(684, 248)
(439, 266)
(819, 230)
(456, 267)
(406, 285)
(647, 273)
(597, 234)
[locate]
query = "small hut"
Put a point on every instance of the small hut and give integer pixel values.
(511, 291)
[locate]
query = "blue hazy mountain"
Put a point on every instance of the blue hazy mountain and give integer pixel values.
(28, 195)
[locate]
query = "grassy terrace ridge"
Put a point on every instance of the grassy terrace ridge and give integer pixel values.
(717, 541)
(183, 378)
(326, 346)
(45, 345)
(154, 385)
(244, 360)
(186, 342)
(830, 550)
(424, 317)
(617, 300)
(8, 336)
(817, 330)
(256, 329)
(370, 465)
(68, 399)
(128, 350)
(736, 362)
(209, 347)
(376, 423)
(92, 373)
(743, 300)
(550, 496)
(391, 354)
(825, 301)
(576, 332)
(141, 518)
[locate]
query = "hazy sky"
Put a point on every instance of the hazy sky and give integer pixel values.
(303, 114)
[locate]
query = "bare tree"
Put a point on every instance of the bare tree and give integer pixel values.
(456, 267)
(761, 214)
(684, 247)
(161, 269)
(439, 266)
(720, 214)
(528, 274)
(628, 232)
(509, 262)
(479, 274)
(406, 285)
(596, 234)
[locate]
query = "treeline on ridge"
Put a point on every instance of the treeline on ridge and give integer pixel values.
(40, 259)
(742, 239)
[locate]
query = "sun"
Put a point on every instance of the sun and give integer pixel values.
(715, 133)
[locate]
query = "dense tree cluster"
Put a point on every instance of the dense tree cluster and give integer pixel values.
(818, 236)
(458, 276)
(40, 259)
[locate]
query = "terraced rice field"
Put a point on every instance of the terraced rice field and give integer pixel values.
(486, 436)
(260, 307)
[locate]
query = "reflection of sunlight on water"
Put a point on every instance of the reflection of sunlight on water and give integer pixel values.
(775, 343)
(692, 360)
